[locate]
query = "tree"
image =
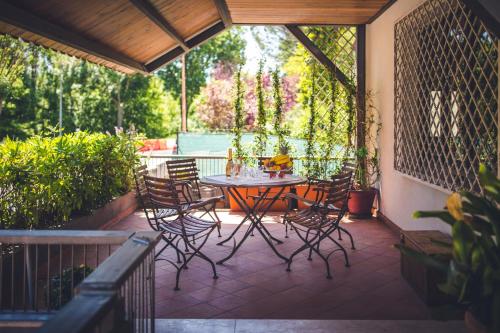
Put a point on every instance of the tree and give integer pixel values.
(226, 48)
(95, 98)
(12, 61)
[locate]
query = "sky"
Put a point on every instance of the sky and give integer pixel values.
(253, 52)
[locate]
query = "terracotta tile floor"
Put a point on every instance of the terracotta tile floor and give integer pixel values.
(254, 283)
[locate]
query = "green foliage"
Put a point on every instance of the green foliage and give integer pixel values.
(474, 270)
(280, 129)
(12, 61)
(334, 103)
(228, 47)
(92, 97)
(310, 164)
(46, 181)
(261, 137)
(61, 285)
(239, 121)
(368, 168)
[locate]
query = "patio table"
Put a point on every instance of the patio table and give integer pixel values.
(259, 209)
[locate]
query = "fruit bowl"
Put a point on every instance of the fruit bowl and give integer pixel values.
(279, 165)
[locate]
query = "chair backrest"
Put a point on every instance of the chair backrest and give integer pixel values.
(140, 186)
(162, 193)
(339, 192)
(348, 166)
(351, 167)
(185, 170)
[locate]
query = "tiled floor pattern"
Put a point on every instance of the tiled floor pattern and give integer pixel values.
(255, 284)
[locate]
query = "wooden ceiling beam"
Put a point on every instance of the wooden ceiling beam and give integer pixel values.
(27, 21)
(381, 11)
(224, 12)
(320, 56)
(192, 42)
(154, 15)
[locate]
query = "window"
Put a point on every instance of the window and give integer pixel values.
(446, 95)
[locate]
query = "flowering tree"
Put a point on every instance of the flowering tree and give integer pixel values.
(214, 109)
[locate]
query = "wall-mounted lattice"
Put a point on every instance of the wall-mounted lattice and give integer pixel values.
(338, 43)
(446, 95)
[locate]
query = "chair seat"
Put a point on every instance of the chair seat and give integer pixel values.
(193, 225)
(309, 219)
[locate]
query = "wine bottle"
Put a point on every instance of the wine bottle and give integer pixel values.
(229, 163)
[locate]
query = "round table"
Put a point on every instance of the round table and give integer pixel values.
(261, 205)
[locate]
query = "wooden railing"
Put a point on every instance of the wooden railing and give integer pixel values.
(210, 165)
(40, 273)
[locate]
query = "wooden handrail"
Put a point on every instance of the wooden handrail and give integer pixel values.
(117, 268)
(65, 237)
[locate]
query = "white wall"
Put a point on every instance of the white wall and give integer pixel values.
(401, 196)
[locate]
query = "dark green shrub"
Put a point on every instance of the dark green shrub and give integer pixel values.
(61, 288)
(46, 181)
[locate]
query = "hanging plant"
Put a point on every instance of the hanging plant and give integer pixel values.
(239, 120)
(280, 129)
(310, 164)
(328, 144)
(261, 137)
(350, 125)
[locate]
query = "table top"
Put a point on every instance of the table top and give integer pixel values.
(247, 182)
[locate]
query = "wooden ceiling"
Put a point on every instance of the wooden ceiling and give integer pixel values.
(143, 35)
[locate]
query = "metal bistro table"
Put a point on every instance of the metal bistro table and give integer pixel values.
(261, 205)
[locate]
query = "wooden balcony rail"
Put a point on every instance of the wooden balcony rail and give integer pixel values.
(77, 281)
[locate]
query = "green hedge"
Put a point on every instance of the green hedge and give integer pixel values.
(44, 182)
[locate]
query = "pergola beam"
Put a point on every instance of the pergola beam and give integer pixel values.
(320, 56)
(381, 11)
(27, 21)
(224, 12)
(154, 15)
(193, 42)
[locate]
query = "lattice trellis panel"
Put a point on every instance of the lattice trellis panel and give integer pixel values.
(446, 95)
(338, 43)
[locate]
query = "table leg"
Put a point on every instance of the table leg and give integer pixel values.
(256, 220)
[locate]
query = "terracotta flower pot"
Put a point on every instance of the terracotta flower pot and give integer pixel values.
(360, 203)
(473, 325)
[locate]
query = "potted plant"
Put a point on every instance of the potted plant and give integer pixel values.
(473, 272)
(361, 198)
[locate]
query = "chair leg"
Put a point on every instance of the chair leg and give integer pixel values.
(309, 257)
(306, 245)
(219, 222)
(200, 254)
(341, 248)
(340, 234)
(348, 234)
(328, 274)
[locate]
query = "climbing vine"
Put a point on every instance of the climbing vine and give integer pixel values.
(280, 130)
(261, 137)
(310, 163)
(239, 121)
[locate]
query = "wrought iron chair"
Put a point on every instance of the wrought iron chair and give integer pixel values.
(164, 194)
(185, 173)
(143, 198)
(317, 222)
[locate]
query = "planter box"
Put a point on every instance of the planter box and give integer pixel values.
(106, 216)
(279, 205)
(423, 279)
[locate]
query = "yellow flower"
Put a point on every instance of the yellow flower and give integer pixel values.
(454, 206)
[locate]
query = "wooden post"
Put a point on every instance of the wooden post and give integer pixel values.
(360, 89)
(183, 95)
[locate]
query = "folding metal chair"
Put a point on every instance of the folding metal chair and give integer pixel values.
(164, 194)
(185, 173)
(317, 222)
